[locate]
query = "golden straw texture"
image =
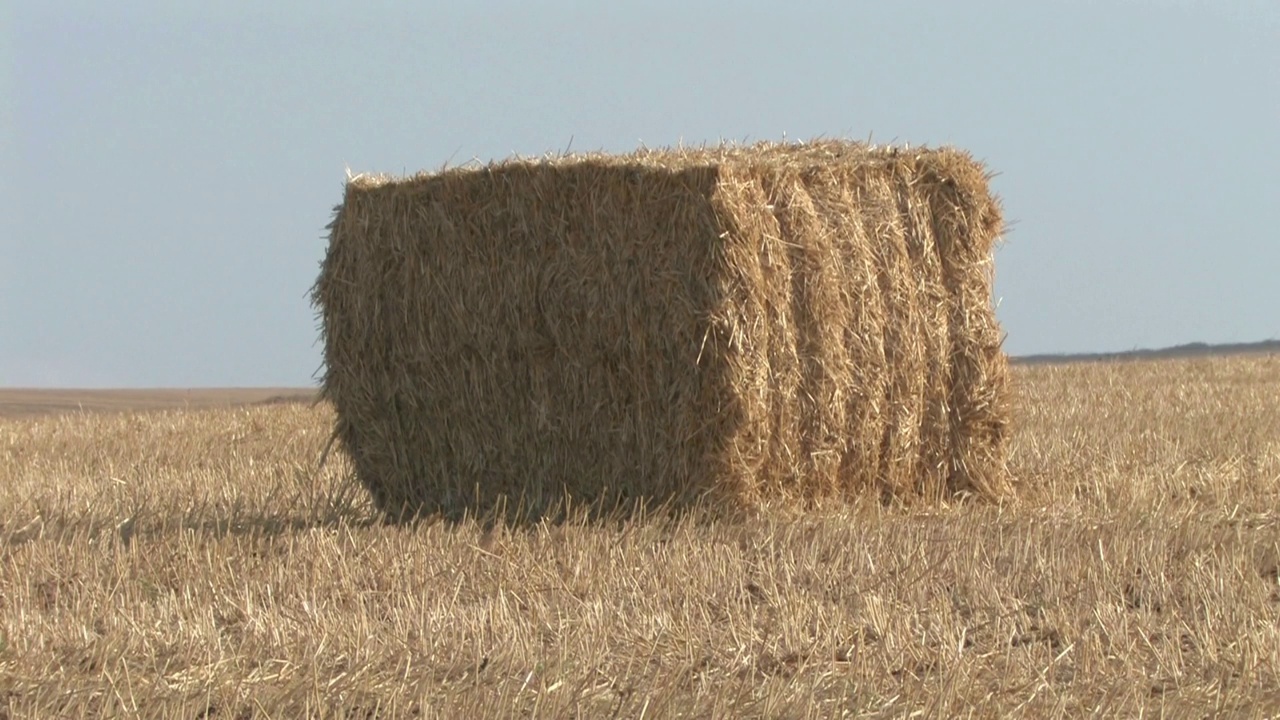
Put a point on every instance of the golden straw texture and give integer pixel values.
(794, 322)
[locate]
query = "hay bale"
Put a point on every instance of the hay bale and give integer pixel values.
(772, 322)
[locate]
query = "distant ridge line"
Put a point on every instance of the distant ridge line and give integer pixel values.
(1189, 350)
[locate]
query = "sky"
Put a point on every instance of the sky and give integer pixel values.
(169, 167)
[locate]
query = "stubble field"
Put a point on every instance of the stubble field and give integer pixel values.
(193, 563)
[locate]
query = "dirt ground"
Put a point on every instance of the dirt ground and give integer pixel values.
(28, 403)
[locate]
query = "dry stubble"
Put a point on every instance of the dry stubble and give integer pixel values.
(187, 564)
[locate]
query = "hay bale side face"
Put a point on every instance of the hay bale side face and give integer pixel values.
(748, 323)
(872, 355)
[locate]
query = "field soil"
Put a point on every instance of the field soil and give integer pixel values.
(200, 562)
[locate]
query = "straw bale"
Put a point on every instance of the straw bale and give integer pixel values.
(773, 322)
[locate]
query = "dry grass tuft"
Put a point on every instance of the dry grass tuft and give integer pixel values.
(763, 324)
(192, 565)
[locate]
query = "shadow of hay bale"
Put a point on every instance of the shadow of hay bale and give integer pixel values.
(669, 328)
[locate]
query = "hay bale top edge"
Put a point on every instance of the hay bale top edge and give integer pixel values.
(773, 156)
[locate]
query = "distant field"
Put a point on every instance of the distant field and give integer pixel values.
(193, 563)
(27, 403)
(33, 402)
(19, 403)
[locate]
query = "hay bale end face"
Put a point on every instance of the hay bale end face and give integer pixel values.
(761, 323)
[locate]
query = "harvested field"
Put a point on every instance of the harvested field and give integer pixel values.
(190, 564)
(30, 403)
(737, 325)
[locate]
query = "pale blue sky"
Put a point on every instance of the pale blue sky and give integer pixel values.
(169, 167)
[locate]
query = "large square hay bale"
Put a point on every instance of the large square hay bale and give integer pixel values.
(763, 323)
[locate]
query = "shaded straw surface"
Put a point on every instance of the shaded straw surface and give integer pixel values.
(769, 322)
